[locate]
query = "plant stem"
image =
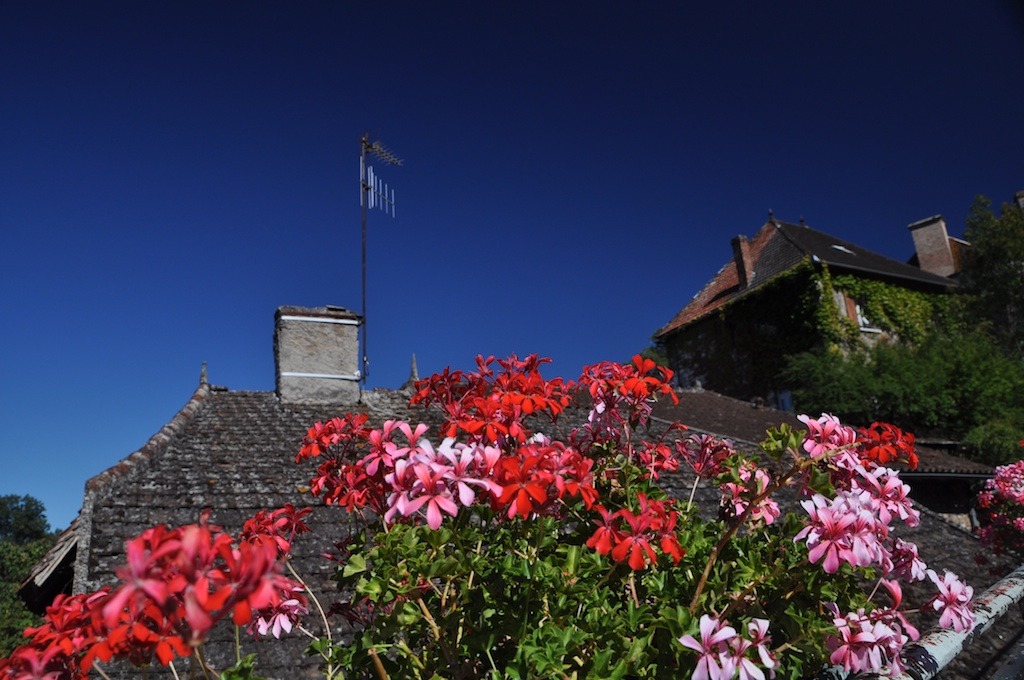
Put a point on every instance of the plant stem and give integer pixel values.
(746, 591)
(436, 630)
(377, 665)
(693, 491)
(202, 663)
(632, 588)
(319, 608)
(735, 526)
(99, 670)
(430, 619)
(404, 648)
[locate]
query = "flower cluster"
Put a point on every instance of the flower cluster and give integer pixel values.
(722, 653)
(397, 472)
(489, 549)
(882, 443)
(952, 601)
(705, 454)
(1000, 507)
(628, 536)
(175, 586)
(867, 641)
(750, 491)
(623, 393)
(854, 528)
(492, 464)
(490, 405)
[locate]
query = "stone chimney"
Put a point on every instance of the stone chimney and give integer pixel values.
(744, 266)
(931, 242)
(316, 353)
(1018, 198)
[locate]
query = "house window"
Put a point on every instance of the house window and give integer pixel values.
(863, 322)
(854, 312)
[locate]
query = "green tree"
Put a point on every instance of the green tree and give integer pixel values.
(953, 385)
(993, 272)
(16, 561)
(24, 539)
(22, 519)
(655, 353)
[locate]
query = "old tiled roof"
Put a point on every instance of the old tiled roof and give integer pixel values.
(233, 451)
(779, 247)
(736, 419)
(54, 573)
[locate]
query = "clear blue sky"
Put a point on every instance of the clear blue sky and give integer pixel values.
(172, 172)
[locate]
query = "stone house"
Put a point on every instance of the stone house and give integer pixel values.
(791, 288)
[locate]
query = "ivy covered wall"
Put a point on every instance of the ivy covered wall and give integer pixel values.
(905, 315)
(741, 349)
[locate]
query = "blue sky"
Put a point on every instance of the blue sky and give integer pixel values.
(173, 172)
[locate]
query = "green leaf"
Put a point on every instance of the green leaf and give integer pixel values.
(243, 670)
(409, 614)
(356, 565)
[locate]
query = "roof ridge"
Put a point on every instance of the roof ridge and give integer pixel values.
(155, 443)
(792, 241)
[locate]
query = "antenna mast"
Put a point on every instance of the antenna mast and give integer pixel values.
(373, 193)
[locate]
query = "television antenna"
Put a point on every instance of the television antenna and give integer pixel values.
(373, 193)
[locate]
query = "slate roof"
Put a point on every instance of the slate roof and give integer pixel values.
(745, 421)
(779, 247)
(233, 451)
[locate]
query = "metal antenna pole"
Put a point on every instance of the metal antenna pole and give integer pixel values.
(372, 191)
(363, 200)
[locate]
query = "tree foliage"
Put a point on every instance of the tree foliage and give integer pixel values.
(24, 539)
(956, 386)
(22, 519)
(956, 372)
(16, 561)
(993, 274)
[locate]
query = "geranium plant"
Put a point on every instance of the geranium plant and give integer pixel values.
(176, 586)
(1000, 509)
(492, 548)
(496, 551)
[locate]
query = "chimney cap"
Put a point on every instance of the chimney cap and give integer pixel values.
(925, 222)
(326, 312)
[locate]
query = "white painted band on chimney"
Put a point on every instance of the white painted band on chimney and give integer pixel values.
(319, 319)
(329, 376)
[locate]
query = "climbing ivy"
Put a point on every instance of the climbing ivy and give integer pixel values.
(906, 314)
(742, 348)
(836, 329)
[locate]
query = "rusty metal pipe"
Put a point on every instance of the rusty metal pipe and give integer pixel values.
(934, 651)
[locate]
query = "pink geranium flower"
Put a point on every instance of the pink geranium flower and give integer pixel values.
(278, 619)
(758, 644)
(736, 497)
(826, 434)
(891, 494)
(844, 529)
(953, 600)
(715, 661)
